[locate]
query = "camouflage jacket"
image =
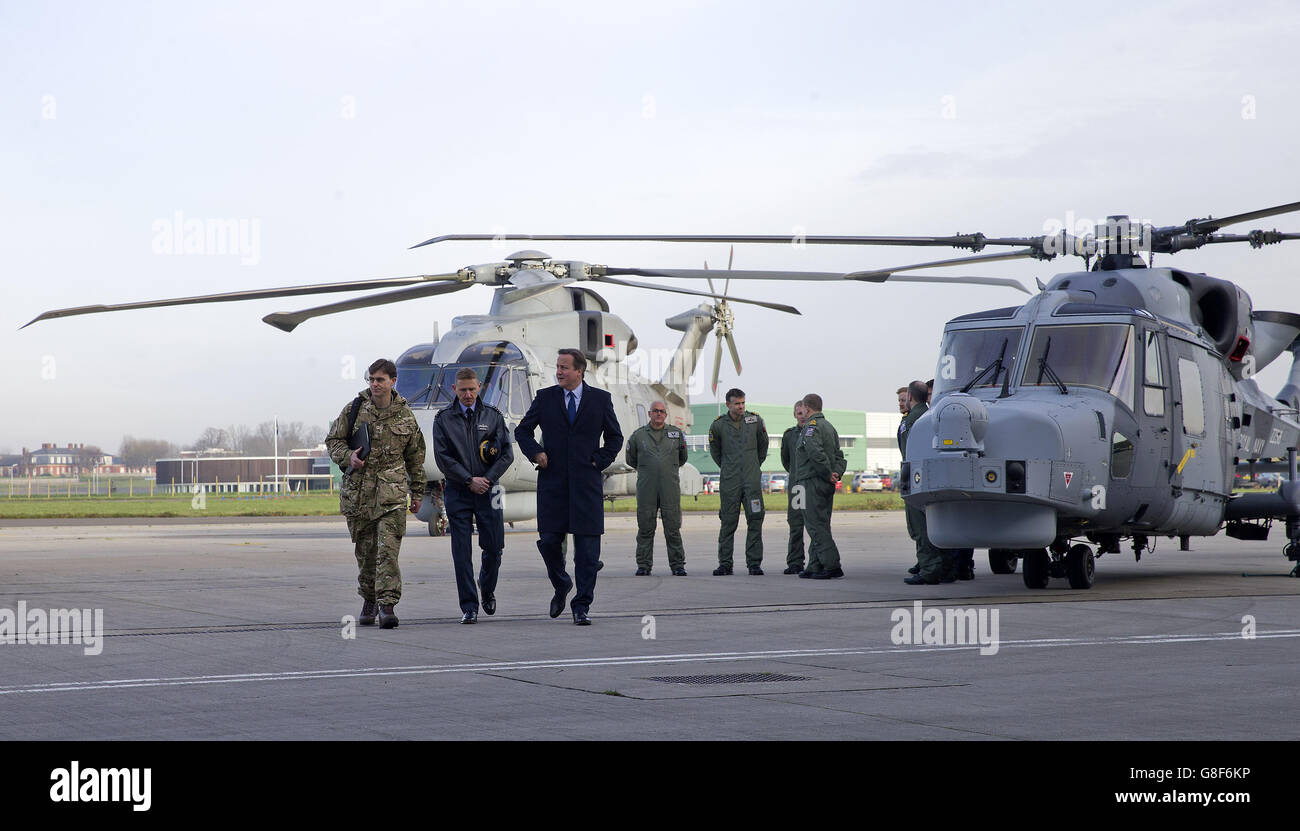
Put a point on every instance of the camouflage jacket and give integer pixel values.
(395, 467)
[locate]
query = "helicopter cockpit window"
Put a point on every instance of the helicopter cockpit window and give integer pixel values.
(415, 383)
(1098, 355)
(968, 355)
(1153, 389)
(1189, 382)
(519, 397)
(1121, 456)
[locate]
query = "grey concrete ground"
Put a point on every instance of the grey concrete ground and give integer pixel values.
(233, 630)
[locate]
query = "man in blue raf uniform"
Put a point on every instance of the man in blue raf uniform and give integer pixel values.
(574, 418)
(472, 449)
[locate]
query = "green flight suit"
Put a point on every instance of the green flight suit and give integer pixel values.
(930, 561)
(817, 455)
(739, 447)
(374, 499)
(793, 516)
(658, 456)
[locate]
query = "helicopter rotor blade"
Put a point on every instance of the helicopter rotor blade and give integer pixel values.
(735, 356)
(288, 321)
(704, 274)
(829, 276)
(884, 273)
(525, 292)
(1210, 224)
(780, 307)
(252, 294)
(973, 242)
(959, 280)
(717, 365)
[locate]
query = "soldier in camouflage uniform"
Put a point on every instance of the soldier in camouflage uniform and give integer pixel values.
(793, 515)
(657, 453)
(738, 445)
(819, 463)
(375, 497)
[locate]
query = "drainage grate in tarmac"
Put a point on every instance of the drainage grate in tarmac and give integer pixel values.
(731, 678)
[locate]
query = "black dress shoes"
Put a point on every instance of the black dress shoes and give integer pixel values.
(642, 572)
(918, 580)
(830, 574)
(756, 571)
(679, 572)
(557, 602)
(806, 574)
(793, 570)
(387, 618)
(489, 604)
(368, 609)
(580, 618)
(722, 571)
(469, 617)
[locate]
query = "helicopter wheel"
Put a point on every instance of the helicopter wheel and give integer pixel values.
(1080, 566)
(1037, 569)
(1002, 561)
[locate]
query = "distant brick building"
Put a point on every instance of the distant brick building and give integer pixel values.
(69, 461)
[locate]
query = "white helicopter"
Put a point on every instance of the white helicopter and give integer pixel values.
(537, 309)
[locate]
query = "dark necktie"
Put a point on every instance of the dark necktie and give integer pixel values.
(573, 408)
(469, 435)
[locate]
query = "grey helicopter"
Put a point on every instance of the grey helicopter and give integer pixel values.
(537, 308)
(1116, 404)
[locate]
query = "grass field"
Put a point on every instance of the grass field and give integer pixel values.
(58, 507)
(62, 507)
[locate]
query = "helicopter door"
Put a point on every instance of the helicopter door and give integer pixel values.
(1151, 462)
(1198, 423)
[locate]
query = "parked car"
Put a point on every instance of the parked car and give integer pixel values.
(863, 482)
(711, 482)
(887, 481)
(778, 483)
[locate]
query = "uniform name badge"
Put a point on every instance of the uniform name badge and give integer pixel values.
(751, 419)
(754, 506)
(673, 434)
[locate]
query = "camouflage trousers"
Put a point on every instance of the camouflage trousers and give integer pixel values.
(377, 543)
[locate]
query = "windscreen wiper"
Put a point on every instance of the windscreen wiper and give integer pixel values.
(997, 363)
(1044, 367)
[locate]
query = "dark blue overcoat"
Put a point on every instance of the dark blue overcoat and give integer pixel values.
(570, 488)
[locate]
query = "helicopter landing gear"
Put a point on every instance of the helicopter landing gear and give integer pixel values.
(1038, 568)
(438, 513)
(1002, 560)
(1079, 566)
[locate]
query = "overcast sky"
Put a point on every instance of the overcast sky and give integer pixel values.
(335, 135)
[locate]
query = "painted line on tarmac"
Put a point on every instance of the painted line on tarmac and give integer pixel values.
(625, 660)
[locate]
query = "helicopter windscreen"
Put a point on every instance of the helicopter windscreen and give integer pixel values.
(1098, 355)
(415, 383)
(502, 372)
(966, 353)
